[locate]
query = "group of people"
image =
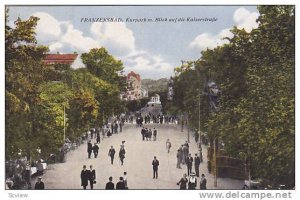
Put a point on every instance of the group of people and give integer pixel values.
(182, 154)
(88, 177)
(121, 185)
(185, 158)
(191, 182)
(148, 133)
(91, 148)
(161, 119)
(122, 152)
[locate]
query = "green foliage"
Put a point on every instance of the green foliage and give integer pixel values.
(103, 65)
(255, 72)
(39, 98)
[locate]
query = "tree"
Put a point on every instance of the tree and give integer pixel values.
(83, 111)
(255, 72)
(24, 72)
(103, 65)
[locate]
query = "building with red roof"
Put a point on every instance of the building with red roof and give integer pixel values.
(52, 59)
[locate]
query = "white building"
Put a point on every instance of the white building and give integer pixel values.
(155, 100)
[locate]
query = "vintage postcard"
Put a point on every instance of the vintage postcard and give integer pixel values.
(150, 97)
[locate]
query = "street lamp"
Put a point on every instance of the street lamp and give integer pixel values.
(200, 135)
(64, 122)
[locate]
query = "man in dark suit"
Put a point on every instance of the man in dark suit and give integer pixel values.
(92, 176)
(89, 149)
(39, 185)
(120, 185)
(155, 164)
(95, 150)
(197, 164)
(110, 185)
(111, 153)
(143, 133)
(122, 154)
(189, 163)
(84, 177)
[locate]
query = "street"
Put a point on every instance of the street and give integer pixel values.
(137, 163)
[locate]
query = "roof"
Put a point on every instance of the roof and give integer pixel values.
(60, 58)
(137, 76)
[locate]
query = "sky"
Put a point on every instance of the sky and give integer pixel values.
(152, 49)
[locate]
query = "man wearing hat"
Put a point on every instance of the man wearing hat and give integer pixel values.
(84, 177)
(89, 148)
(192, 181)
(189, 163)
(39, 185)
(197, 164)
(155, 164)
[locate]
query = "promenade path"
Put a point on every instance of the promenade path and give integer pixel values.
(138, 162)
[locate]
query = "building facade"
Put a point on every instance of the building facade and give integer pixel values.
(134, 87)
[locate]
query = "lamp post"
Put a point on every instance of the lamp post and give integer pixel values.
(64, 122)
(215, 160)
(188, 130)
(200, 135)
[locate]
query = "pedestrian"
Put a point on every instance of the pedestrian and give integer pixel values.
(109, 132)
(110, 185)
(122, 154)
(92, 133)
(120, 185)
(203, 182)
(122, 145)
(86, 135)
(92, 176)
(189, 163)
(192, 182)
(168, 145)
(147, 134)
(185, 152)
(197, 164)
(39, 185)
(98, 137)
(187, 145)
(150, 134)
(95, 150)
(40, 168)
(143, 133)
(125, 180)
(116, 127)
(121, 126)
(112, 128)
(84, 177)
(196, 136)
(179, 158)
(183, 182)
(111, 153)
(154, 134)
(89, 148)
(155, 164)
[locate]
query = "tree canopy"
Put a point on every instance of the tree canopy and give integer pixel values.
(255, 73)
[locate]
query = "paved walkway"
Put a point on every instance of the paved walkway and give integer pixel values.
(138, 162)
